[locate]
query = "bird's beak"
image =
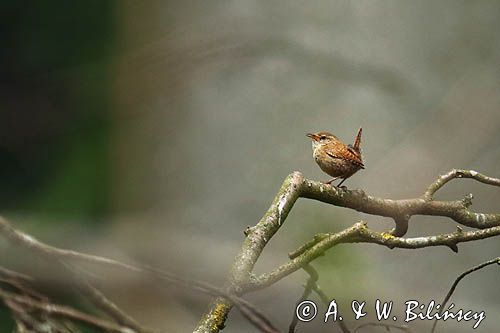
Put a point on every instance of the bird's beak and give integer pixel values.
(312, 136)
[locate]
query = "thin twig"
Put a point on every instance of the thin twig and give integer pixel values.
(63, 312)
(249, 311)
(324, 298)
(458, 173)
(15, 275)
(102, 302)
(458, 279)
(308, 288)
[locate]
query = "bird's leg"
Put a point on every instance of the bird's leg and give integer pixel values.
(339, 185)
(330, 181)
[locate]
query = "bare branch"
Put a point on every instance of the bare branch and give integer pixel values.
(399, 210)
(7, 273)
(250, 312)
(63, 312)
(241, 279)
(295, 186)
(458, 279)
(308, 288)
(458, 173)
(359, 233)
(317, 238)
(306, 257)
(257, 238)
(312, 285)
(102, 302)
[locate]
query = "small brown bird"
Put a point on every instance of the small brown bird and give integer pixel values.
(335, 157)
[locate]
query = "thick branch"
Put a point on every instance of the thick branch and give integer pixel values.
(399, 209)
(257, 238)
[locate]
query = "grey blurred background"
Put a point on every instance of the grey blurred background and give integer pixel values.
(157, 131)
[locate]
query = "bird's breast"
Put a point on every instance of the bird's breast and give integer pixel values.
(335, 167)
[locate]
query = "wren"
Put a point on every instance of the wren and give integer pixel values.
(336, 158)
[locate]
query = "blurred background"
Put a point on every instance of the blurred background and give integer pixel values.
(156, 132)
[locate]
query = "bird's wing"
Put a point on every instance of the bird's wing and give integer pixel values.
(346, 153)
(352, 149)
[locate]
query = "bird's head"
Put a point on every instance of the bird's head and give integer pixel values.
(321, 138)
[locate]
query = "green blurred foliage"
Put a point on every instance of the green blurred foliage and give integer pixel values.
(54, 110)
(51, 35)
(54, 107)
(6, 322)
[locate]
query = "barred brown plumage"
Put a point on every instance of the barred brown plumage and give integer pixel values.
(335, 157)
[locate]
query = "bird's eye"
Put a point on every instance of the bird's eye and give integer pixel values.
(323, 137)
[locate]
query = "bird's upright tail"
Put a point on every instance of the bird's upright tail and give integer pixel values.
(357, 142)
